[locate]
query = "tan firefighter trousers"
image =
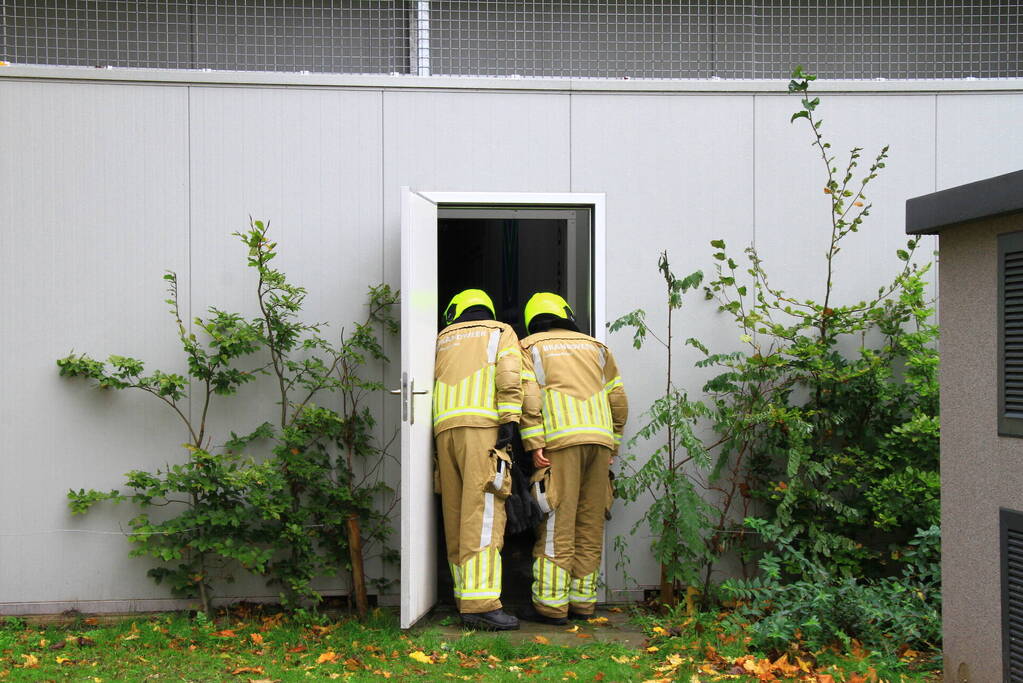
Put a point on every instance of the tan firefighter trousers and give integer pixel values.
(573, 492)
(475, 480)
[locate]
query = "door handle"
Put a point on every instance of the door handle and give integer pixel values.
(408, 389)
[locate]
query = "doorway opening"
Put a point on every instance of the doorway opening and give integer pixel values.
(511, 253)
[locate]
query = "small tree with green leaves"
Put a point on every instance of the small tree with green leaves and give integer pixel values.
(670, 474)
(317, 519)
(306, 511)
(213, 521)
(836, 449)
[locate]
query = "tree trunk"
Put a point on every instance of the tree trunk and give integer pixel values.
(203, 595)
(358, 570)
(667, 588)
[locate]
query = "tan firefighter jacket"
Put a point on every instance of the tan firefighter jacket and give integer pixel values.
(573, 393)
(478, 376)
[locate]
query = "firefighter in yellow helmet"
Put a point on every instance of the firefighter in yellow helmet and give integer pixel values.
(574, 411)
(477, 403)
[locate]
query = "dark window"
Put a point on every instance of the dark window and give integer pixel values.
(1010, 334)
(1011, 528)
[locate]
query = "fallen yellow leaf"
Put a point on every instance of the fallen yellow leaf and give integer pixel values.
(783, 666)
(660, 631)
(573, 629)
(597, 620)
(248, 670)
(328, 656)
(543, 640)
(623, 659)
(653, 648)
(421, 657)
(256, 638)
(31, 662)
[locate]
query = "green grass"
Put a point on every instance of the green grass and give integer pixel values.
(174, 647)
(257, 647)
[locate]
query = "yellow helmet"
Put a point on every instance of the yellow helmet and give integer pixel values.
(465, 299)
(547, 302)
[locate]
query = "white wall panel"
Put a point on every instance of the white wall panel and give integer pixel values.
(309, 163)
(502, 142)
(94, 206)
(978, 136)
(675, 170)
(105, 185)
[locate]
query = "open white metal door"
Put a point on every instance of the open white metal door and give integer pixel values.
(418, 338)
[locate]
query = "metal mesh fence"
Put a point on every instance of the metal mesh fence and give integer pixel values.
(542, 38)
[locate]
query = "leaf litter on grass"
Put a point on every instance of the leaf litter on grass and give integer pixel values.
(280, 650)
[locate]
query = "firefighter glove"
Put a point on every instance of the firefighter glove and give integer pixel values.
(522, 510)
(505, 433)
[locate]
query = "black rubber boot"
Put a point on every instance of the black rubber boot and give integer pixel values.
(576, 616)
(529, 613)
(494, 620)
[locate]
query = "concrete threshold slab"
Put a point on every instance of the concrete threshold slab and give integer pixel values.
(617, 629)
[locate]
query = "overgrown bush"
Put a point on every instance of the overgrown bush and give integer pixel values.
(820, 608)
(819, 436)
(287, 500)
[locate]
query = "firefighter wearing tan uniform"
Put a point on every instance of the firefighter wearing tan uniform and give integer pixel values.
(574, 411)
(477, 403)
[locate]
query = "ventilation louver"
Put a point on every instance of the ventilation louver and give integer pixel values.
(1012, 594)
(1010, 285)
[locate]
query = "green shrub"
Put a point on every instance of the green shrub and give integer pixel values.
(305, 511)
(817, 609)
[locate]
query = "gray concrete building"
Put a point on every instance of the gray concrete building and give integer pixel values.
(980, 229)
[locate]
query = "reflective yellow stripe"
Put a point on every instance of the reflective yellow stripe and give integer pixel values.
(528, 374)
(511, 349)
(605, 409)
(489, 400)
(570, 410)
(438, 397)
(550, 583)
(585, 416)
(482, 412)
(530, 432)
(463, 391)
(480, 577)
(584, 590)
(477, 384)
(559, 408)
(579, 429)
(616, 382)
